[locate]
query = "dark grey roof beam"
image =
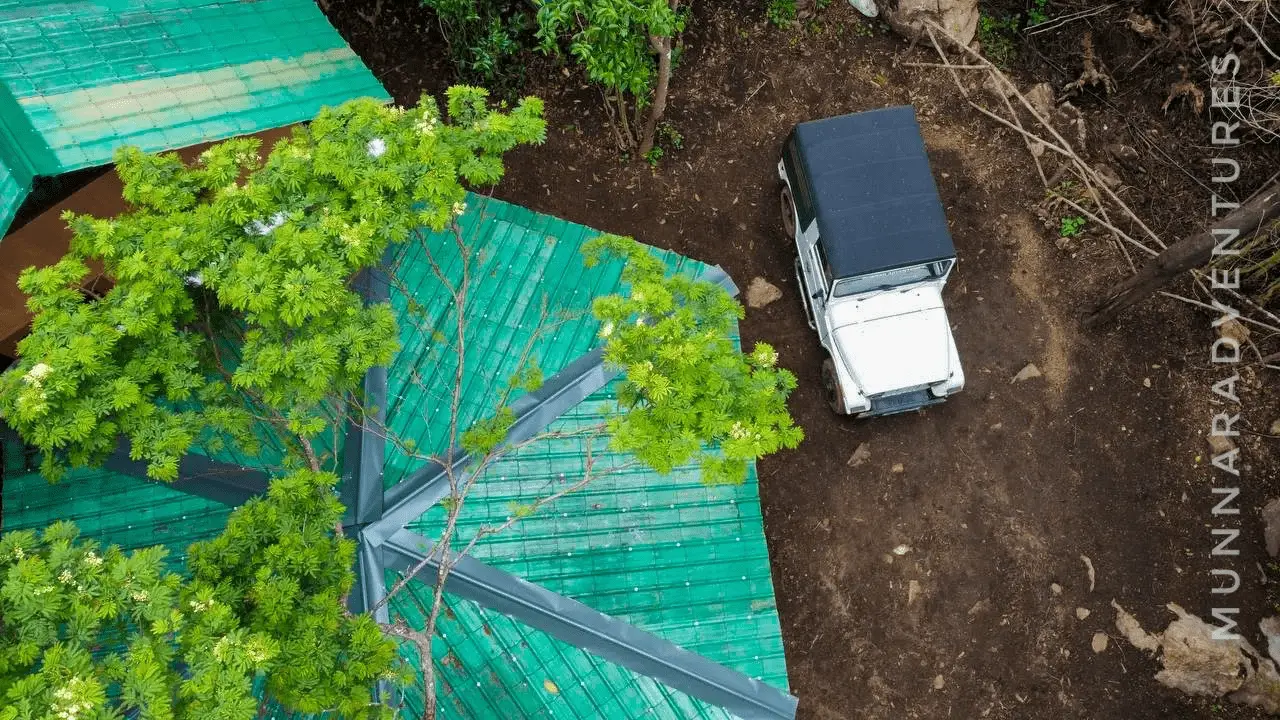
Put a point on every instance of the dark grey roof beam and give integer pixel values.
(533, 411)
(198, 475)
(610, 638)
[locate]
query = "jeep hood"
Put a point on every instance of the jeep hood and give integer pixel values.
(894, 340)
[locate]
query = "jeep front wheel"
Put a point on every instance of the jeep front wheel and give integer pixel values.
(788, 213)
(831, 387)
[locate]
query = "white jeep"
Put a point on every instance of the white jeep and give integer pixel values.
(874, 252)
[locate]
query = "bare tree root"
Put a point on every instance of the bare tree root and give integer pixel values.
(1185, 88)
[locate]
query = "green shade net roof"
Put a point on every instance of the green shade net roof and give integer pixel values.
(88, 76)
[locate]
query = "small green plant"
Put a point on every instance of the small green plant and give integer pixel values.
(1071, 226)
(485, 39)
(1038, 12)
(998, 36)
(670, 137)
(654, 156)
(781, 13)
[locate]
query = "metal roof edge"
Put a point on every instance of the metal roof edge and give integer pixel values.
(608, 637)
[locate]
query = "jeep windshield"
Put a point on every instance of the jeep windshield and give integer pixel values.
(890, 279)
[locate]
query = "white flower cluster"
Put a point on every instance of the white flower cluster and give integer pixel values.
(140, 596)
(607, 330)
(36, 375)
(195, 279)
(376, 148)
(459, 208)
(66, 578)
(426, 126)
(738, 432)
(200, 605)
(66, 706)
(93, 559)
(765, 355)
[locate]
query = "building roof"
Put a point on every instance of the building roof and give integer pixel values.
(530, 297)
(88, 76)
(876, 202)
(676, 570)
(686, 562)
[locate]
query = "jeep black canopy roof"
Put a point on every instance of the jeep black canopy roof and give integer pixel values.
(872, 190)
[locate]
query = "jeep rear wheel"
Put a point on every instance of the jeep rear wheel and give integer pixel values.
(788, 213)
(831, 387)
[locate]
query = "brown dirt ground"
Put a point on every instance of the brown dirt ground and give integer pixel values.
(1004, 488)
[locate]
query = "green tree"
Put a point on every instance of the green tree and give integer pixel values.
(232, 311)
(92, 632)
(625, 45)
(232, 320)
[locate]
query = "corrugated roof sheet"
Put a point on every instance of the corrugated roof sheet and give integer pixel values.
(109, 507)
(13, 190)
(668, 554)
(92, 75)
(490, 666)
(529, 297)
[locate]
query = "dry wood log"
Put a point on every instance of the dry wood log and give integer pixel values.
(1188, 253)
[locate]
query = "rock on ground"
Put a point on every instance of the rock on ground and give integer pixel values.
(1196, 663)
(1271, 516)
(860, 455)
(1026, 373)
(907, 17)
(761, 292)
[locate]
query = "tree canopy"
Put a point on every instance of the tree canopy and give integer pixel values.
(231, 299)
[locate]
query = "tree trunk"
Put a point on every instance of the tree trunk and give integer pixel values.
(662, 46)
(622, 118)
(1186, 254)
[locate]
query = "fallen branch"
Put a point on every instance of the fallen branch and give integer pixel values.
(1188, 253)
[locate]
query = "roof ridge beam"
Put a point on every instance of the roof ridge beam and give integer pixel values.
(578, 625)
